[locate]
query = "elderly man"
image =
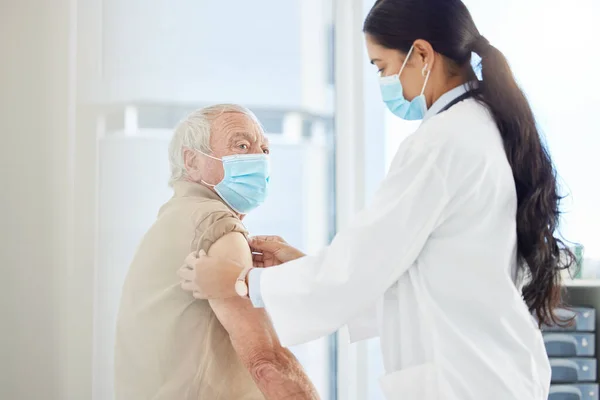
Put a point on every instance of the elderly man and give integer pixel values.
(170, 346)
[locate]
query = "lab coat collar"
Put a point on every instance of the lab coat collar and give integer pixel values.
(446, 99)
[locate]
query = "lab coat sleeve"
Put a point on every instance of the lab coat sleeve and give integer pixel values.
(364, 326)
(316, 295)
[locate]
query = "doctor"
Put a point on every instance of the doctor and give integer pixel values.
(457, 249)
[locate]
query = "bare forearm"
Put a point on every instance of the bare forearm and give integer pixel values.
(280, 376)
(275, 370)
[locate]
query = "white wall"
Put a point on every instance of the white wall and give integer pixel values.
(551, 46)
(45, 336)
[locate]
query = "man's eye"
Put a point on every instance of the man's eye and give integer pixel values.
(243, 146)
(266, 151)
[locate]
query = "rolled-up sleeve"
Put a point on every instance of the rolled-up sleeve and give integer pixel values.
(314, 296)
(214, 226)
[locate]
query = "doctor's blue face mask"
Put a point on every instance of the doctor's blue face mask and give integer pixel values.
(245, 182)
(393, 96)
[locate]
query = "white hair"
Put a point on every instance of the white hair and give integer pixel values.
(194, 133)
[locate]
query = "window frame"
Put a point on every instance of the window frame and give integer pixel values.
(350, 155)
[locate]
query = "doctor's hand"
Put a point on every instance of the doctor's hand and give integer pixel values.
(268, 251)
(209, 277)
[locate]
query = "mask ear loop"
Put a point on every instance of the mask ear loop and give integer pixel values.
(406, 60)
(209, 156)
(207, 184)
(426, 79)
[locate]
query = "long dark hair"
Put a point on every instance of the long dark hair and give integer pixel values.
(448, 26)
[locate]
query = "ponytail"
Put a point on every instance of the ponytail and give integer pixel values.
(540, 253)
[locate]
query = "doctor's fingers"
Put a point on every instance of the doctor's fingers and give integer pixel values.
(267, 238)
(267, 246)
(199, 295)
(192, 259)
(189, 286)
(258, 260)
(186, 273)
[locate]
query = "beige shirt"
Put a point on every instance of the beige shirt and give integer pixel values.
(170, 346)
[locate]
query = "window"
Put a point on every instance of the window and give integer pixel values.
(564, 95)
(163, 61)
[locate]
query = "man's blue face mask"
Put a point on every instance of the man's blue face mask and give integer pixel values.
(393, 95)
(246, 181)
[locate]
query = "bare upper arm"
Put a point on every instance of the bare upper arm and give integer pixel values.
(249, 328)
(275, 369)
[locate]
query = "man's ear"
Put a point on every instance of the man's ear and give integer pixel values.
(189, 160)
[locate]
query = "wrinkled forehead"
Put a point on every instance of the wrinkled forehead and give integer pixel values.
(228, 125)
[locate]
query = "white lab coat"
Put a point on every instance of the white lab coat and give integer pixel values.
(435, 254)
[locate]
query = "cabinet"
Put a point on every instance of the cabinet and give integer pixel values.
(578, 293)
